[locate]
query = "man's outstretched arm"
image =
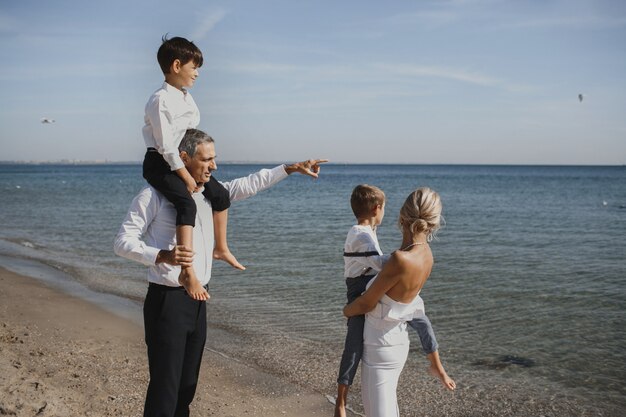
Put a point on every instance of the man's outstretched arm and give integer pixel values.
(242, 188)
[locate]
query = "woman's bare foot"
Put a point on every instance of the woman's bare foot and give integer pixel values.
(191, 284)
(226, 256)
(441, 374)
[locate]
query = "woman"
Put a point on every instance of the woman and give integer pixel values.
(392, 299)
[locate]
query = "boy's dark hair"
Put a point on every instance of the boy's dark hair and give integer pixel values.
(177, 48)
(365, 198)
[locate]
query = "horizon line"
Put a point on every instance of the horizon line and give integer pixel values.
(107, 162)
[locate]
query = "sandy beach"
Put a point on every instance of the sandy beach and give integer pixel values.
(63, 356)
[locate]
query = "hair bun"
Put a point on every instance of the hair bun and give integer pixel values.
(421, 212)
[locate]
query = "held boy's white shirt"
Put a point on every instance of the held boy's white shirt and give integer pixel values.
(362, 241)
(150, 225)
(169, 113)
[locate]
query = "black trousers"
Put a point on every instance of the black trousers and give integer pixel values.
(175, 332)
(159, 175)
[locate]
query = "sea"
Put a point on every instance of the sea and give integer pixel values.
(527, 296)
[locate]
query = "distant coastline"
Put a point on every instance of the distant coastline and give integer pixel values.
(107, 162)
(69, 162)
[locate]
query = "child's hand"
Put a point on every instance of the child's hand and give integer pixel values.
(192, 187)
(190, 183)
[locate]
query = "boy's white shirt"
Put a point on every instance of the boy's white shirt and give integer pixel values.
(169, 113)
(363, 242)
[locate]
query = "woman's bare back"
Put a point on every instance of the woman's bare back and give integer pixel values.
(414, 268)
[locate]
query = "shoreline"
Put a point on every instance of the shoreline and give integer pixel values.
(63, 355)
(92, 362)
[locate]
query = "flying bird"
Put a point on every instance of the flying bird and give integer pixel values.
(580, 98)
(46, 120)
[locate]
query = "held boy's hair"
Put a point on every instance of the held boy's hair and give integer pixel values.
(177, 48)
(365, 198)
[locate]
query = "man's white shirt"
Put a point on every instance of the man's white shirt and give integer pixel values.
(150, 226)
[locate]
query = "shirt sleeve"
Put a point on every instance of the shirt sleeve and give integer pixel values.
(242, 188)
(129, 240)
(366, 253)
(164, 132)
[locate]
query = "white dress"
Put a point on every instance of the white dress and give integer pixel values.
(385, 349)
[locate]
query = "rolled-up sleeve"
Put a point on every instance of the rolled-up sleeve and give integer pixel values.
(129, 241)
(242, 188)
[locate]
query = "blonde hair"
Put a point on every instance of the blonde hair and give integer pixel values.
(421, 212)
(365, 198)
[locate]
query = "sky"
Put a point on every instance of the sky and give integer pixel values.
(354, 81)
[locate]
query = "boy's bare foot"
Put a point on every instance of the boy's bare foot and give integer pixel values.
(340, 410)
(188, 280)
(226, 256)
(342, 398)
(447, 382)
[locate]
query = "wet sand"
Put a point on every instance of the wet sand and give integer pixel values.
(61, 355)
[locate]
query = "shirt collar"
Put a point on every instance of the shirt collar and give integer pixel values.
(173, 90)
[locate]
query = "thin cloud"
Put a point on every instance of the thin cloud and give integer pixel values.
(207, 23)
(91, 70)
(455, 74)
(375, 73)
(431, 18)
(441, 72)
(445, 13)
(258, 68)
(573, 21)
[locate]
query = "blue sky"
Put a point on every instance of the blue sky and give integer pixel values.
(474, 81)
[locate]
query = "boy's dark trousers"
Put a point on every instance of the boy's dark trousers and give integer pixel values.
(353, 347)
(159, 175)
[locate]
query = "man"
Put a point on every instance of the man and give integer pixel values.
(175, 324)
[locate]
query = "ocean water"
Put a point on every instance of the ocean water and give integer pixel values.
(527, 296)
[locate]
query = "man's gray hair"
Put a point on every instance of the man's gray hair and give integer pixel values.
(191, 140)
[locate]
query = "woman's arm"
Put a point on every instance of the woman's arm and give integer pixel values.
(386, 279)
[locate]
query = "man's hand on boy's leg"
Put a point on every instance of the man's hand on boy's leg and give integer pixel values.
(178, 255)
